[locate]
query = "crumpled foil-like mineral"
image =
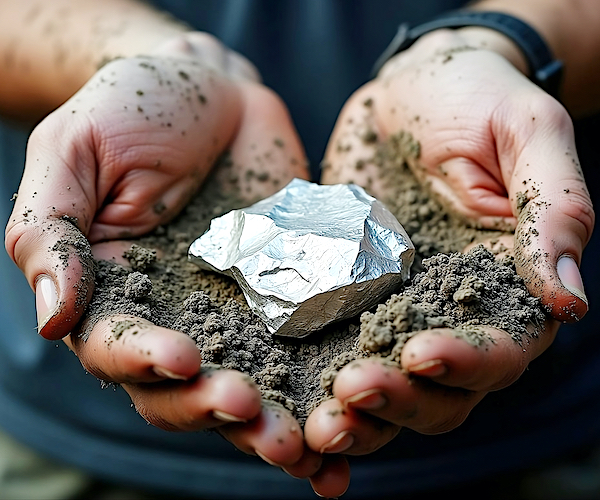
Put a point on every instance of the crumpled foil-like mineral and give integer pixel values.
(309, 255)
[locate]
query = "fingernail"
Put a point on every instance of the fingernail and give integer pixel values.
(309, 464)
(164, 372)
(46, 300)
(430, 368)
(268, 460)
(372, 399)
(569, 275)
(338, 444)
(227, 417)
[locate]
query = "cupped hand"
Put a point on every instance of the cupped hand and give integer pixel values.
(163, 374)
(440, 379)
(120, 157)
(500, 152)
(494, 147)
(127, 152)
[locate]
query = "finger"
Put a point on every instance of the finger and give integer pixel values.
(494, 362)
(211, 399)
(385, 391)
(308, 465)
(333, 478)
(45, 235)
(333, 428)
(145, 200)
(554, 209)
(329, 474)
(274, 435)
(267, 152)
(127, 349)
(469, 189)
(352, 145)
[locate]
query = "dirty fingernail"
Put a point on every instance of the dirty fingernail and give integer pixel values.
(431, 368)
(569, 275)
(338, 444)
(227, 417)
(46, 300)
(372, 399)
(166, 373)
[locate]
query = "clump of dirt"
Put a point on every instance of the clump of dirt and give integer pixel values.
(460, 291)
(432, 228)
(449, 289)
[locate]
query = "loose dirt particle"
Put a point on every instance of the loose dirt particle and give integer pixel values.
(462, 292)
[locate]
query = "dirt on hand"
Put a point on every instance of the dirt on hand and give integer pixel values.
(447, 289)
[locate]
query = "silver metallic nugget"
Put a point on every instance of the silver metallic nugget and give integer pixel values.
(309, 255)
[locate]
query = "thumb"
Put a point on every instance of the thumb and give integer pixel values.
(555, 214)
(45, 233)
(266, 152)
(350, 153)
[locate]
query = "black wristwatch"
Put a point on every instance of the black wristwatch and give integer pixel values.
(544, 70)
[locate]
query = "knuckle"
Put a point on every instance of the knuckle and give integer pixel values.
(43, 129)
(551, 112)
(577, 206)
(535, 114)
(547, 118)
(152, 417)
(445, 423)
(509, 377)
(49, 130)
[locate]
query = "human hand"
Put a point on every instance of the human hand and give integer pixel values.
(127, 152)
(120, 157)
(501, 153)
(493, 146)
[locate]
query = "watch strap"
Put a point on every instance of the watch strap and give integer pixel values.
(544, 69)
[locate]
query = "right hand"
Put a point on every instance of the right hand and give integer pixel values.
(120, 157)
(492, 146)
(488, 138)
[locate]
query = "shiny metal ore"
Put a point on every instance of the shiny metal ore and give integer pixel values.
(309, 255)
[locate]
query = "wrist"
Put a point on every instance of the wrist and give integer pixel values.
(46, 65)
(489, 39)
(445, 40)
(205, 49)
(505, 35)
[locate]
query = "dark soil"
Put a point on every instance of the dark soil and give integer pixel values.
(460, 291)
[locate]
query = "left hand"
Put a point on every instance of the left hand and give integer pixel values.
(122, 156)
(487, 135)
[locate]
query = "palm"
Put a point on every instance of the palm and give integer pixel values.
(123, 155)
(495, 148)
(139, 138)
(468, 130)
